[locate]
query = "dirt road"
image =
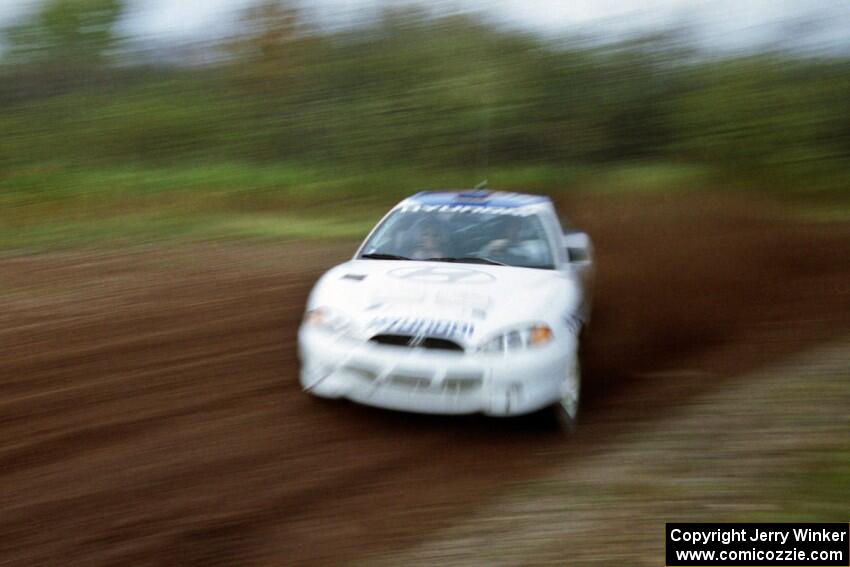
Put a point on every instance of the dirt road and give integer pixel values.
(149, 410)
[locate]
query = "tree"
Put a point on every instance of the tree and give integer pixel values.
(66, 32)
(270, 41)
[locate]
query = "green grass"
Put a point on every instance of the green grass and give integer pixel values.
(305, 184)
(63, 204)
(56, 181)
(649, 177)
(141, 228)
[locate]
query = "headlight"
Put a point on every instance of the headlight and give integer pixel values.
(530, 336)
(328, 319)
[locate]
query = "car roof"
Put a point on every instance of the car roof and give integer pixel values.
(476, 197)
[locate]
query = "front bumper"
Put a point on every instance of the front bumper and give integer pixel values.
(429, 381)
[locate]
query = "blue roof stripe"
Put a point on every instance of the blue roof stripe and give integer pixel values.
(478, 198)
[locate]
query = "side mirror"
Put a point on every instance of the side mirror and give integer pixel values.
(579, 248)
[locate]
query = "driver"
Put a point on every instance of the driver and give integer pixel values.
(512, 247)
(429, 243)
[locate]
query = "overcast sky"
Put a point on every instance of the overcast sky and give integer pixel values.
(723, 23)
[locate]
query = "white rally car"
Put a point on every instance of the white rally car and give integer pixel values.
(457, 302)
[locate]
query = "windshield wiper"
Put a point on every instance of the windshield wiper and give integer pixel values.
(382, 256)
(467, 260)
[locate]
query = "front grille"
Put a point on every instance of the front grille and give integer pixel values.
(455, 382)
(410, 341)
(459, 382)
(366, 375)
(409, 381)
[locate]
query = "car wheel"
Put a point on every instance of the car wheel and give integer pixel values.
(565, 411)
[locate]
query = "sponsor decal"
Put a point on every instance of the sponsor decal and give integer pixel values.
(476, 209)
(441, 275)
(442, 328)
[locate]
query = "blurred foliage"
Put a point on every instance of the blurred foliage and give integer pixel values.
(66, 31)
(402, 99)
(64, 46)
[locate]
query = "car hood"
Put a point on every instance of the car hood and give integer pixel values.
(463, 302)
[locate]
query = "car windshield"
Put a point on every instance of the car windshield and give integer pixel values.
(468, 234)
